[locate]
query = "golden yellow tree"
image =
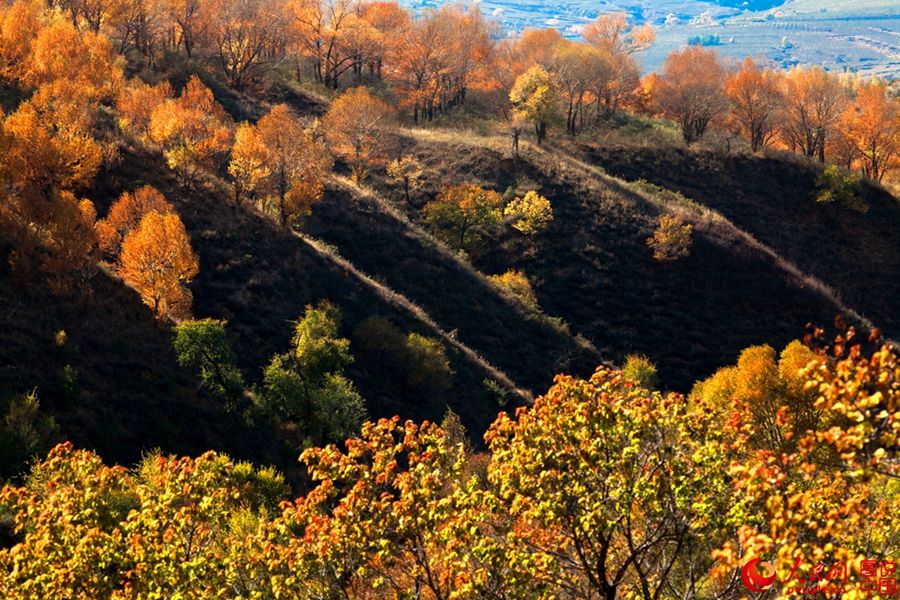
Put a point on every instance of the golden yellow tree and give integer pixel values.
(157, 260)
(43, 162)
(281, 163)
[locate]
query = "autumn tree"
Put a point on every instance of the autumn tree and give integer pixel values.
(672, 238)
(464, 215)
(437, 60)
(616, 73)
(240, 34)
(60, 52)
(136, 104)
(157, 260)
(535, 98)
(818, 494)
(572, 67)
(281, 164)
(359, 128)
(529, 214)
(19, 23)
(406, 172)
(193, 130)
(871, 124)
(616, 34)
(389, 23)
(318, 26)
(607, 484)
(814, 103)
(756, 98)
(516, 283)
(691, 90)
(125, 215)
(189, 23)
(45, 158)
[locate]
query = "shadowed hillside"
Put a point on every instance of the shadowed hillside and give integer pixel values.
(772, 199)
(592, 266)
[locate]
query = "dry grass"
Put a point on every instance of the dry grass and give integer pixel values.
(515, 303)
(402, 302)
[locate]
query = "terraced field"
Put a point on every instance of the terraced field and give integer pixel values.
(863, 36)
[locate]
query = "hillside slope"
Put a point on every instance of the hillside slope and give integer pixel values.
(593, 269)
(856, 254)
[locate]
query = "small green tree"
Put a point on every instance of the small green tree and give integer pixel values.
(25, 432)
(308, 386)
(204, 345)
(641, 369)
(844, 187)
(406, 172)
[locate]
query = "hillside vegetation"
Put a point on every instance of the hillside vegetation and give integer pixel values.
(238, 233)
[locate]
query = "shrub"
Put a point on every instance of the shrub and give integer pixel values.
(516, 283)
(641, 369)
(417, 361)
(672, 239)
(844, 187)
(25, 432)
(429, 368)
(530, 214)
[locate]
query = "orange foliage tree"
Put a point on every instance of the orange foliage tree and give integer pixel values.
(691, 90)
(281, 163)
(136, 104)
(19, 23)
(756, 98)
(157, 260)
(60, 52)
(126, 214)
(193, 130)
(43, 162)
(871, 125)
(359, 127)
(814, 102)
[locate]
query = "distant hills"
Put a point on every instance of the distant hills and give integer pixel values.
(861, 36)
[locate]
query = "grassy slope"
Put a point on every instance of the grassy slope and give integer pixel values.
(593, 269)
(856, 254)
(373, 235)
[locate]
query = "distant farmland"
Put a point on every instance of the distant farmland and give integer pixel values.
(863, 37)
